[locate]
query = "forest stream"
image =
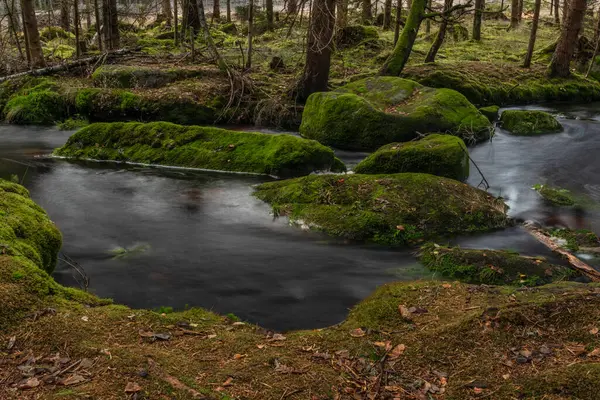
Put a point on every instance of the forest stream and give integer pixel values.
(157, 237)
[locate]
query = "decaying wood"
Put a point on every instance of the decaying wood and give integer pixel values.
(575, 262)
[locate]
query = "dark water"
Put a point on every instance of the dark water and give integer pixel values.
(201, 239)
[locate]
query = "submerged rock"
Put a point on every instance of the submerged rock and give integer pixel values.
(369, 113)
(200, 147)
(399, 209)
(492, 267)
(556, 196)
(436, 154)
(529, 123)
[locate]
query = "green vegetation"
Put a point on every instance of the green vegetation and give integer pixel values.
(442, 155)
(556, 196)
(529, 123)
(491, 112)
(576, 239)
(164, 143)
(369, 113)
(355, 35)
(127, 76)
(492, 267)
(399, 209)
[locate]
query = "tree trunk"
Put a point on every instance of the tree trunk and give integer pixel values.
(597, 28)
(387, 15)
(514, 14)
(318, 49)
(367, 14)
(269, 12)
(556, 17)
(292, 6)
(65, 20)
(77, 28)
(342, 14)
(166, 8)
(561, 59)
(111, 24)
(534, 27)
(565, 10)
(398, 18)
(13, 25)
(428, 22)
(88, 13)
(33, 36)
(520, 10)
(399, 57)
(26, 37)
(191, 16)
(250, 29)
(216, 9)
(228, 10)
(551, 6)
(439, 39)
(479, 6)
(97, 17)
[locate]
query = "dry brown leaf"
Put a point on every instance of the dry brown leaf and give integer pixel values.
(358, 332)
(211, 336)
(446, 286)
(73, 380)
(278, 337)
(261, 346)
(594, 353)
(228, 382)
(505, 376)
(132, 387)
(29, 384)
(477, 390)
(387, 345)
(239, 356)
(396, 352)
(404, 312)
(594, 331)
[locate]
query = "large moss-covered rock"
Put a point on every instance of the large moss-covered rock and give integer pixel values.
(369, 113)
(399, 209)
(126, 76)
(492, 267)
(491, 112)
(436, 154)
(200, 147)
(35, 102)
(528, 122)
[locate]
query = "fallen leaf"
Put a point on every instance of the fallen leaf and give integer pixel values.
(446, 285)
(227, 382)
(477, 390)
(403, 310)
(29, 384)
(73, 380)
(261, 346)
(525, 353)
(211, 336)
(278, 337)
(594, 331)
(396, 352)
(85, 318)
(11, 342)
(387, 345)
(132, 387)
(239, 356)
(358, 332)
(505, 376)
(594, 353)
(342, 353)
(86, 363)
(238, 323)
(162, 336)
(106, 352)
(576, 349)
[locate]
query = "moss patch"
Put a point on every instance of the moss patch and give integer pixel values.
(556, 196)
(124, 76)
(491, 112)
(355, 35)
(199, 147)
(492, 267)
(575, 240)
(369, 113)
(529, 123)
(33, 101)
(400, 209)
(442, 155)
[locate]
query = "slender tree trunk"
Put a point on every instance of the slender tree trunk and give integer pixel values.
(367, 14)
(292, 6)
(26, 37)
(176, 21)
(166, 8)
(399, 57)
(98, 26)
(556, 6)
(532, 37)
(387, 15)
(479, 6)
(439, 39)
(269, 12)
(88, 13)
(565, 10)
(428, 21)
(111, 24)
(250, 29)
(13, 25)
(77, 28)
(551, 7)
(216, 9)
(398, 18)
(514, 14)
(520, 15)
(65, 20)
(191, 16)
(342, 14)
(228, 10)
(597, 28)
(318, 51)
(33, 36)
(561, 59)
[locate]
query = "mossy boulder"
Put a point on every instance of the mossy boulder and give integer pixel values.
(399, 209)
(436, 154)
(529, 123)
(492, 267)
(491, 112)
(354, 35)
(209, 148)
(125, 76)
(37, 102)
(369, 113)
(229, 28)
(556, 196)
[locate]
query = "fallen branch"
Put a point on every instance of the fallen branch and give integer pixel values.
(575, 262)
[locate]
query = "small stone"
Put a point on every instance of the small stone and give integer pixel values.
(143, 373)
(522, 359)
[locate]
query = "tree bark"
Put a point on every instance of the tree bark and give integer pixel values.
(551, 6)
(318, 52)
(428, 22)
(176, 21)
(292, 6)
(250, 29)
(98, 26)
(111, 24)
(228, 10)
(166, 8)
(556, 17)
(398, 18)
(65, 19)
(77, 27)
(479, 7)
(216, 14)
(33, 36)
(520, 15)
(439, 39)
(532, 37)
(88, 13)
(561, 59)
(514, 14)
(342, 14)
(565, 10)
(367, 13)
(269, 14)
(13, 25)
(387, 15)
(399, 57)
(191, 16)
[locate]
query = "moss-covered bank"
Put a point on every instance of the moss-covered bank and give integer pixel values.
(436, 154)
(492, 267)
(168, 144)
(126, 76)
(529, 122)
(369, 113)
(399, 209)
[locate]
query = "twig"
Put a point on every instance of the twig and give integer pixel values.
(483, 180)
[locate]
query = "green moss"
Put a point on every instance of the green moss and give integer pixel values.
(199, 147)
(72, 124)
(491, 267)
(577, 380)
(491, 112)
(355, 35)
(42, 107)
(369, 113)
(576, 239)
(529, 123)
(436, 154)
(108, 104)
(556, 196)
(55, 32)
(123, 76)
(399, 209)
